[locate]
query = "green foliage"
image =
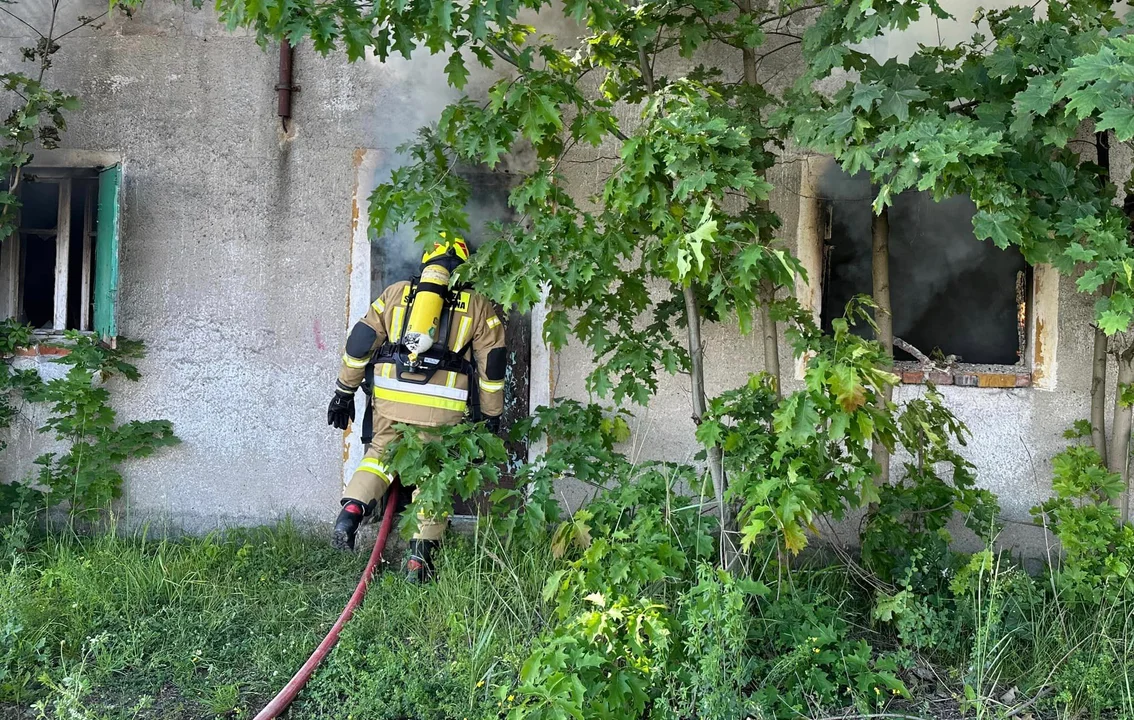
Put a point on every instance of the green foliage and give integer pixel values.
(14, 384)
(37, 112)
(443, 462)
(87, 474)
(790, 461)
(813, 660)
(634, 551)
(130, 618)
(905, 539)
(682, 194)
(1098, 549)
(37, 116)
(715, 668)
(991, 117)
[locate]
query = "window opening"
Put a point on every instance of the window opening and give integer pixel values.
(49, 270)
(957, 299)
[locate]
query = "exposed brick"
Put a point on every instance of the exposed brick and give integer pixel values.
(913, 377)
(42, 351)
(1023, 380)
(966, 379)
(941, 378)
(997, 380)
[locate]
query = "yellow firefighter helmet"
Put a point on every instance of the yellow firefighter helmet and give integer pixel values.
(428, 302)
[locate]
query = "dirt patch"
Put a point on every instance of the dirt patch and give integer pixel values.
(167, 704)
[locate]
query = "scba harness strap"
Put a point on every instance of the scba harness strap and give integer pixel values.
(438, 358)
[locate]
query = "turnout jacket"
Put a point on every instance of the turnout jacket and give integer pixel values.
(475, 332)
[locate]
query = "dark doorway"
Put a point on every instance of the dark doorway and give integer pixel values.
(398, 256)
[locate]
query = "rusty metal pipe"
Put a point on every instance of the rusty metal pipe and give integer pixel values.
(284, 86)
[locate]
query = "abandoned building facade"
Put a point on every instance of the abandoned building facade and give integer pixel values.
(194, 212)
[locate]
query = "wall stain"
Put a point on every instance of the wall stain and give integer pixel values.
(1038, 365)
(319, 336)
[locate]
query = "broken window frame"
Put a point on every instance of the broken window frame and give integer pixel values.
(1038, 363)
(949, 371)
(99, 260)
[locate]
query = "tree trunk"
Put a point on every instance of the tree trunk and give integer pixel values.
(697, 374)
(1119, 459)
(768, 327)
(880, 264)
(1098, 391)
(697, 377)
(1099, 357)
(771, 334)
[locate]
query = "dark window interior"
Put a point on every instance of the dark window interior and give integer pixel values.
(75, 297)
(950, 293)
(38, 226)
(38, 213)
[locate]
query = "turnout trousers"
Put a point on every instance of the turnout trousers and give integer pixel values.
(372, 479)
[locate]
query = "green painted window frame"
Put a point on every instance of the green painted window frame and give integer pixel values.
(105, 294)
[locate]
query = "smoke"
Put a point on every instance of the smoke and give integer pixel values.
(412, 95)
(948, 290)
(397, 256)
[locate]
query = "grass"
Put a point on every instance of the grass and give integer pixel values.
(114, 627)
(111, 627)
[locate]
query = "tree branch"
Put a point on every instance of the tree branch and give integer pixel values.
(776, 50)
(88, 21)
(789, 13)
(21, 20)
(510, 58)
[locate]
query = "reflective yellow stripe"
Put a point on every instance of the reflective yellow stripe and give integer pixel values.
(490, 386)
(493, 322)
(422, 400)
(463, 332)
(427, 389)
(451, 381)
(355, 363)
(374, 467)
(387, 370)
(396, 324)
(379, 306)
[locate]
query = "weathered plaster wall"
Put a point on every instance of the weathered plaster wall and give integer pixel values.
(235, 247)
(236, 258)
(1015, 432)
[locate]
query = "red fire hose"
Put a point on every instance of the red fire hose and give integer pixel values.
(280, 702)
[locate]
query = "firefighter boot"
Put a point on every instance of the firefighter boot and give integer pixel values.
(350, 517)
(419, 561)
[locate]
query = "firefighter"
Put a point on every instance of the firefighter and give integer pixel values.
(428, 345)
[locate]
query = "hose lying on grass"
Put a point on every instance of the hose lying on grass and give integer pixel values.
(280, 702)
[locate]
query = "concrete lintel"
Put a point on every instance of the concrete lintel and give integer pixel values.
(71, 158)
(809, 242)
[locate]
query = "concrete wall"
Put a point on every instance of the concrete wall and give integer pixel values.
(236, 259)
(235, 250)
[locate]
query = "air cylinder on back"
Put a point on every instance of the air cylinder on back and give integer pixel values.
(425, 316)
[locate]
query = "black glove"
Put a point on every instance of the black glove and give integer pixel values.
(493, 424)
(341, 410)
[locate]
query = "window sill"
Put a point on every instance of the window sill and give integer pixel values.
(46, 343)
(966, 375)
